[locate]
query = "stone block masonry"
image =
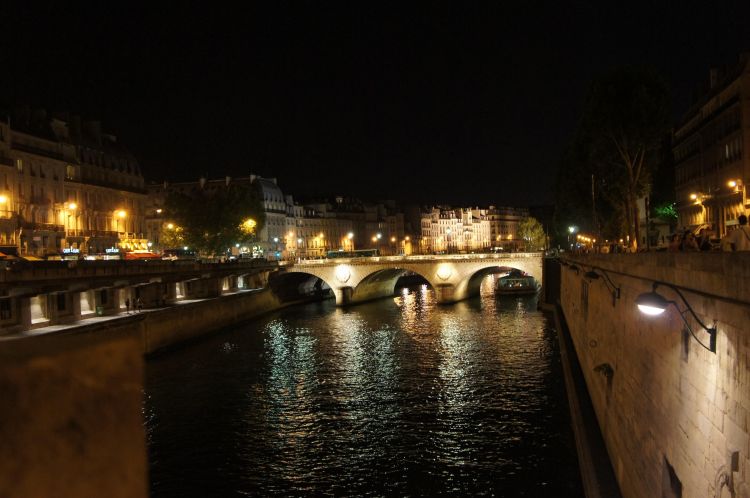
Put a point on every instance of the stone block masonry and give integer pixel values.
(674, 416)
(71, 419)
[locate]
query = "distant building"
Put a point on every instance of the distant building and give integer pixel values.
(504, 222)
(709, 146)
(67, 186)
(445, 229)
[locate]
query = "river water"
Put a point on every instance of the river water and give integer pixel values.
(397, 397)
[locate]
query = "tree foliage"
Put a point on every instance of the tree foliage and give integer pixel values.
(618, 143)
(532, 233)
(211, 221)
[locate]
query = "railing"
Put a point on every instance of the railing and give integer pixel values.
(38, 151)
(50, 227)
(431, 257)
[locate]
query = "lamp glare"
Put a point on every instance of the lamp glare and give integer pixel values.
(650, 310)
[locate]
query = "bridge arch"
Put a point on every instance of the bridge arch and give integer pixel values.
(453, 277)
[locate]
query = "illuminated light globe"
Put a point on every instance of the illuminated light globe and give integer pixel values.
(342, 273)
(651, 303)
(444, 272)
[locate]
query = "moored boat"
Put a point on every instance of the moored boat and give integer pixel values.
(516, 282)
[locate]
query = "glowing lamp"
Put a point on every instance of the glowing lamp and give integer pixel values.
(654, 304)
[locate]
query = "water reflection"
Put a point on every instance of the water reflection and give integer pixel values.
(395, 397)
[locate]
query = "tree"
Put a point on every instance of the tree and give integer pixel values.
(532, 233)
(212, 221)
(624, 122)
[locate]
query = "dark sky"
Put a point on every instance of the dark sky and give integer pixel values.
(468, 103)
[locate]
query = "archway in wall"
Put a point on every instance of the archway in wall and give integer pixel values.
(472, 286)
(383, 283)
(293, 286)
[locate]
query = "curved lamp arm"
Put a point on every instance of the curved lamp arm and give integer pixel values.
(710, 330)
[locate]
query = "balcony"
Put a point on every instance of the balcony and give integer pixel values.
(80, 233)
(38, 151)
(43, 227)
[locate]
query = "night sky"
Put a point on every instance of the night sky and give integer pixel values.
(455, 103)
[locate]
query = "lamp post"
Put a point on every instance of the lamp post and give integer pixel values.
(120, 214)
(738, 186)
(571, 230)
(350, 237)
(4, 204)
(70, 210)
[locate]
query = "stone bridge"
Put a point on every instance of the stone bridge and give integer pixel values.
(453, 277)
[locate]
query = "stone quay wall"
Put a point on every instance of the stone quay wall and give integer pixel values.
(71, 420)
(674, 416)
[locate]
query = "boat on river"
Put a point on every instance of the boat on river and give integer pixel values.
(516, 283)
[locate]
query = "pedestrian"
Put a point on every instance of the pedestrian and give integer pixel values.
(139, 304)
(675, 243)
(704, 240)
(739, 238)
(127, 305)
(689, 243)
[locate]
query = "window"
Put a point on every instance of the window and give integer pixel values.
(5, 309)
(19, 165)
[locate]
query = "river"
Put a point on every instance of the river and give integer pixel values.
(397, 397)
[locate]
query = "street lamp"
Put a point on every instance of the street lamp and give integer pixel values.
(120, 214)
(654, 304)
(571, 230)
(350, 236)
(70, 211)
(738, 186)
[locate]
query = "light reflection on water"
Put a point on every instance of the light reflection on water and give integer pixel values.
(398, 397)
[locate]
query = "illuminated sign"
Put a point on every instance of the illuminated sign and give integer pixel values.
(70, 250)
(111, 250)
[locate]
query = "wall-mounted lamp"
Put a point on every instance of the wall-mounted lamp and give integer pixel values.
(652, 303)
(594, 275)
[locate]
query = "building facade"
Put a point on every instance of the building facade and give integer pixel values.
(448, 230)
(67, 187)
(709, 144)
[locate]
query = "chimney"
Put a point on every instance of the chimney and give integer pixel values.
(227, 180)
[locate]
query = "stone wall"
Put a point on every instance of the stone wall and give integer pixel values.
(162, 328)
(71, 420)
(674, 415)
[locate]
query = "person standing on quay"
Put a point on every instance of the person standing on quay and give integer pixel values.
(738, 239)
(138, 304)
(127, 305)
